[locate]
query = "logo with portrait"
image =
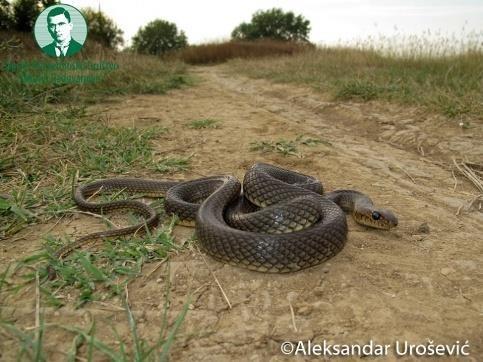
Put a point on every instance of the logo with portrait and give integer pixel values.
(60, 31)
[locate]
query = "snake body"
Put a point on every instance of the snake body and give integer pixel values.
(278, 221)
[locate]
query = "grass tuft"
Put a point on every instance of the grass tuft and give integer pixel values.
(286, 147)
(204, 123)
(103, 274)
(358, 89)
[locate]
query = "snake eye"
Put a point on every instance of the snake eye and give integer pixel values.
(375, 215)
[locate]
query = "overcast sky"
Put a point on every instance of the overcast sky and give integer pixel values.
(331, 20)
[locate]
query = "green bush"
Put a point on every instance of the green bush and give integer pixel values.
(159, 37)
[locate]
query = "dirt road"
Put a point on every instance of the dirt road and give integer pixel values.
(422, 280)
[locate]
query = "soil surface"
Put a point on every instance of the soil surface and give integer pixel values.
(420, 281)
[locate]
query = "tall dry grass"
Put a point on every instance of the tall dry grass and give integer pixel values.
(428, 44)
(220, 52)
(449, 82)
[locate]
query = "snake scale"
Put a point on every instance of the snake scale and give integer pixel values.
(279, 221)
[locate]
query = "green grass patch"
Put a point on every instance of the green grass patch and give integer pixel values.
(100, 275)
(140, 74)
(45, 150)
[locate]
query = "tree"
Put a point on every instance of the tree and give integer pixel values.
(6, 16)
(274, 24)
(25, 13)
(102, 28)
(158, 37)
(47, 3)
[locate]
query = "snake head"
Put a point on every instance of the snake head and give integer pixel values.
(376, 218)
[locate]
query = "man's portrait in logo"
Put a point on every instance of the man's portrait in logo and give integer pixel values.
(60, 31)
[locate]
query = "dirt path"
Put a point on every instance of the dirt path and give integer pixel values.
(421, 281)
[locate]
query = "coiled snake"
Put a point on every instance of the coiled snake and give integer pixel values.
(280, 222)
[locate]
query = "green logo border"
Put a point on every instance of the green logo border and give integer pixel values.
(56, 5)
